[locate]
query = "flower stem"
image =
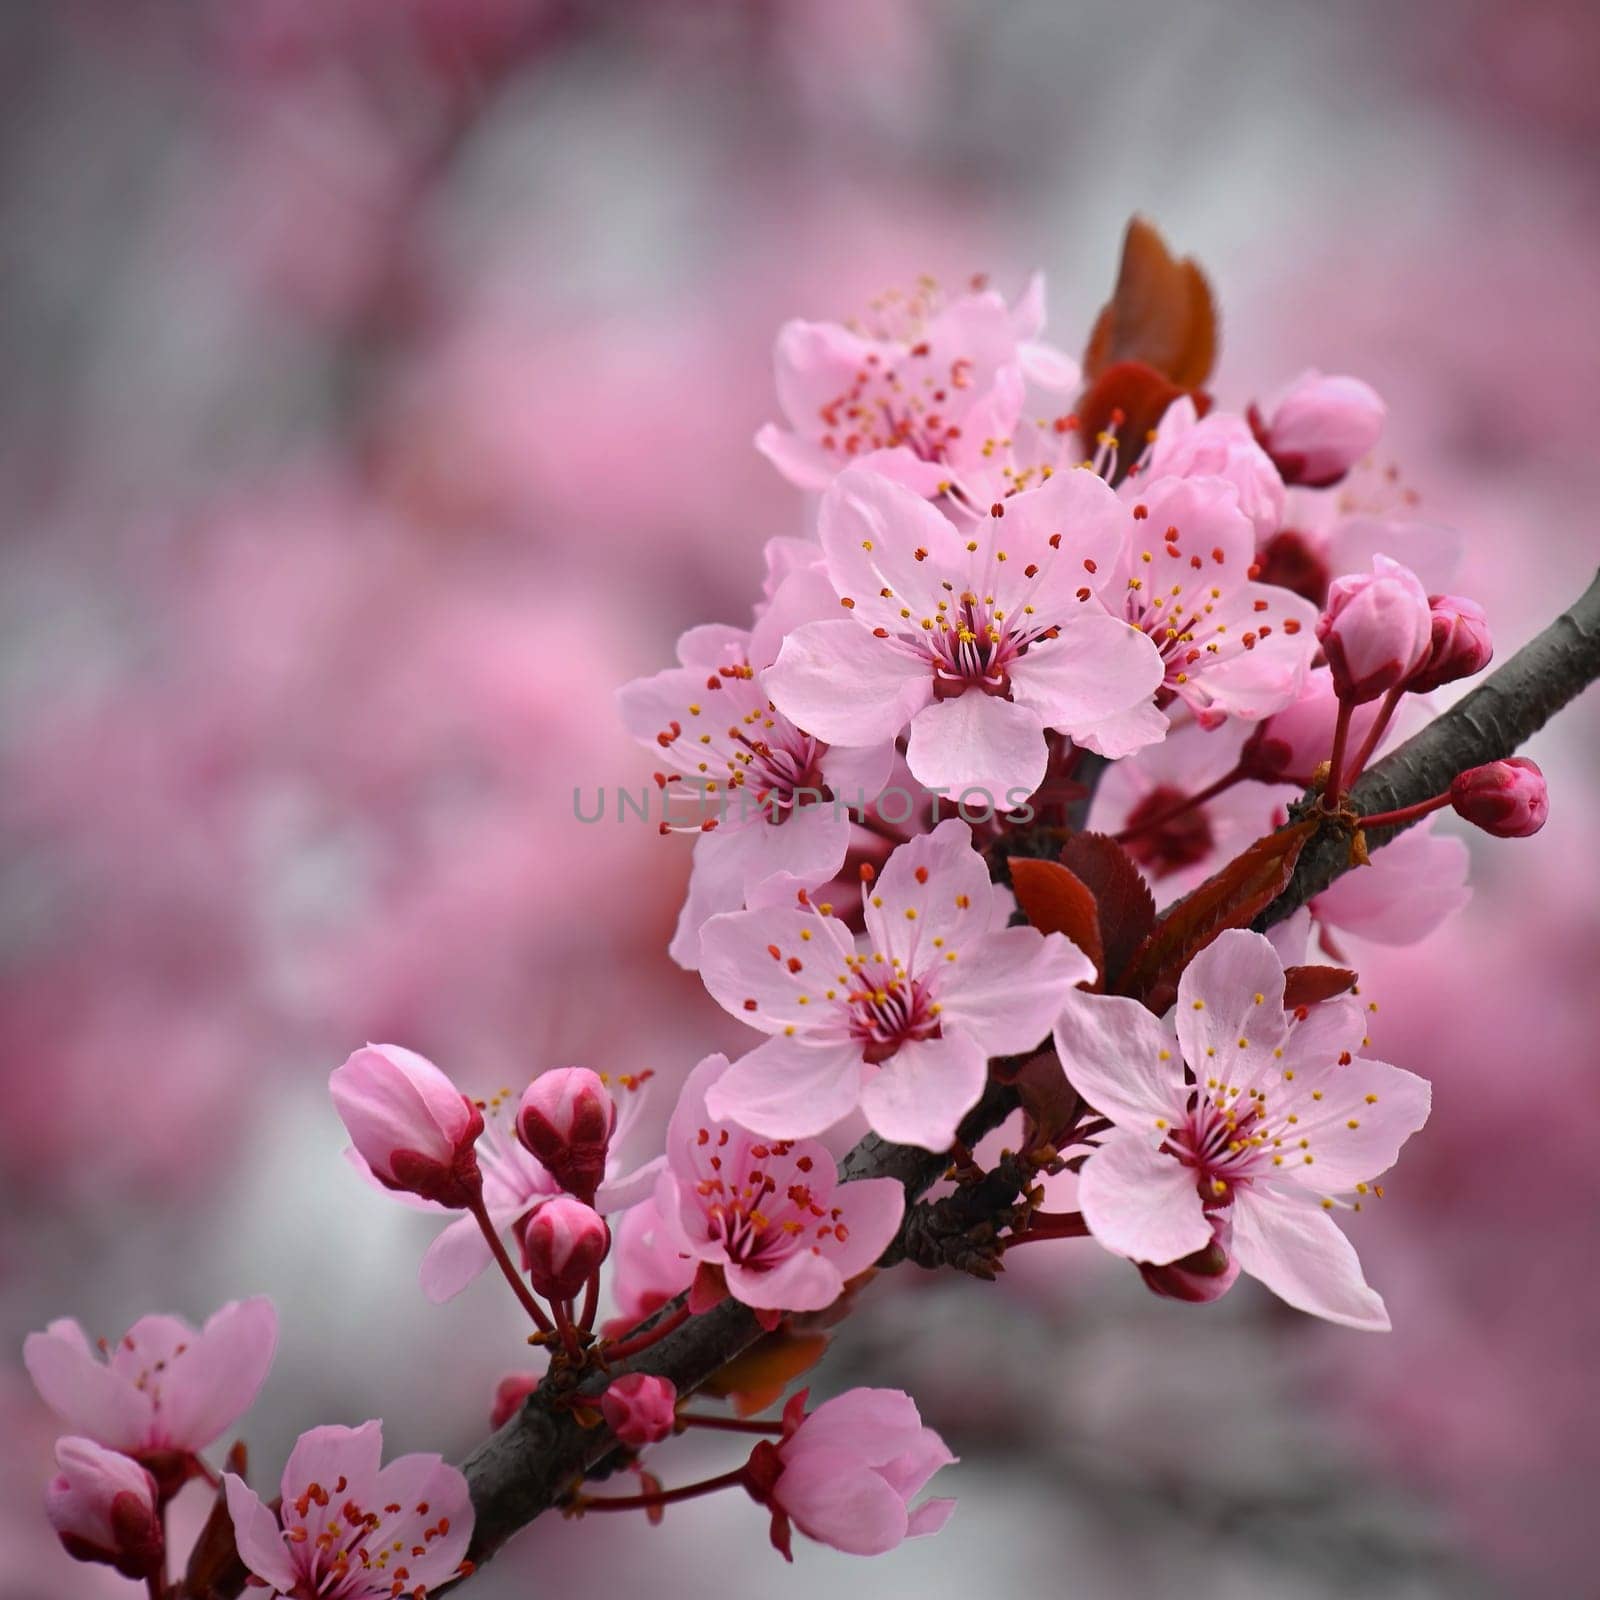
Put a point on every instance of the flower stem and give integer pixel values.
(691, 1419)
(1379, 727)
(1050, 1225)
(662, 1497)
(1389, 819)
(508, 1269)
(1210, 792)
(642, 1341)
(591, 1302)
(569, 1334)
(1341, 734)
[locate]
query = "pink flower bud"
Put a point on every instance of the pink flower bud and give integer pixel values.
(564, 1243)
(1460, 643)
(640, 1409)
(1199, 1279)
(566, 1119)
(1506, 798)
(414, 1129)
(103, 1508)
(1376, 631)
(509, 1395)
(1320, 428)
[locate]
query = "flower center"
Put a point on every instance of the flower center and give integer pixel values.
(888, 1009)
(758, 1198)
(1167, 846)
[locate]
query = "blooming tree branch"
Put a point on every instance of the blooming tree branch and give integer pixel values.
(533, 1462)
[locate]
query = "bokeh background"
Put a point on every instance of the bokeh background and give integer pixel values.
(378, 391)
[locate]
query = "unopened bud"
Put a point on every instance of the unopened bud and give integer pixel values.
(103, 1508)
(1377, 630)
(1506, 798)
(414, 1129)
(1321, 427)
(640, 1409)
(509, 1395)
(564, 1243)
(566, 1118)
(1199, 1279)
(1461, 643)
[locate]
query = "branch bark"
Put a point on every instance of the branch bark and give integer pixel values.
(533, 1462)
(1503, 712)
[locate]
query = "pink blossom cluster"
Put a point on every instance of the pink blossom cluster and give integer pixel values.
(999, 618)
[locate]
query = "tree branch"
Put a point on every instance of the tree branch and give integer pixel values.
(533, 1462)
(1503, 712)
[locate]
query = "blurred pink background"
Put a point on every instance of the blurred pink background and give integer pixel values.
(380, 385)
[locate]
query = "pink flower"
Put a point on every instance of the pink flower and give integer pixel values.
(1410, 887)
(1217, 445)
(566, 1118)
(1460, 644)
(1506, 798)
(902, 1026)
(516, 1183)
(1321, 427)
(1229, 646)
(846, 1474)
(1282, 1123)
(771, 1214)
(412, 1127)
(510, 1394)
(350, 1526)
(981, 640)
(163, 1389)
(103, 1507)
(915, 393)
(1377, 630)
(767, 787)
(640, 1409)
(563, 1244)
(647, 1268)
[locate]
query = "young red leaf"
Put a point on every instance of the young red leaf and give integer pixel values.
(1230, 899)
(1049, 1102)
(1126, 908)
(1305, 986)
(1056, 900)
(1131, 397)
(757, 1378)
(1161, 313)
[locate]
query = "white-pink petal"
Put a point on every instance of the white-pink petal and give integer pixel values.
(1140, 1203)
(921, 1093)
(1009, 987)
(1232, 990)
(788, 1089)
(1120, 1059)
(842, 685)
(977, 745)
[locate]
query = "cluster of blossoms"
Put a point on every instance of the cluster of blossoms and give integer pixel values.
(1148, 610)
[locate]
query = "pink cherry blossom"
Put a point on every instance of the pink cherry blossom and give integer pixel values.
(640, 1408)
(767, 787)
(1229, 646)
(846, 1474)
(915, 392)
(647, 1268)
(566, 1118)
(1506, 798)
(510, 1394)
(901, 1025)
(350, 1526)
(772, 1213)
(163, 1388)
(981, 639)
(412, 1127)
(1407, 890)
(1376, 630)
(1320, 427)
(563, 1245)
(1217, 445)
(1283, 1124)
(1461, 643)
(103, 1507)
(516, 1183)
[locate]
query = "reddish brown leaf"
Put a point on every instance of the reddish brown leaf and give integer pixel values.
(214, 1564)
(1126, 909)
(757, 1378)
(1129, 398)
(1049, 1102)
(1305, 986)
(1230, 899)
(1161, 313)
(1056, 900)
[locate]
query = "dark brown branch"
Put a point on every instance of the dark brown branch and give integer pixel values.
(533, 1462)
(1501, 714)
